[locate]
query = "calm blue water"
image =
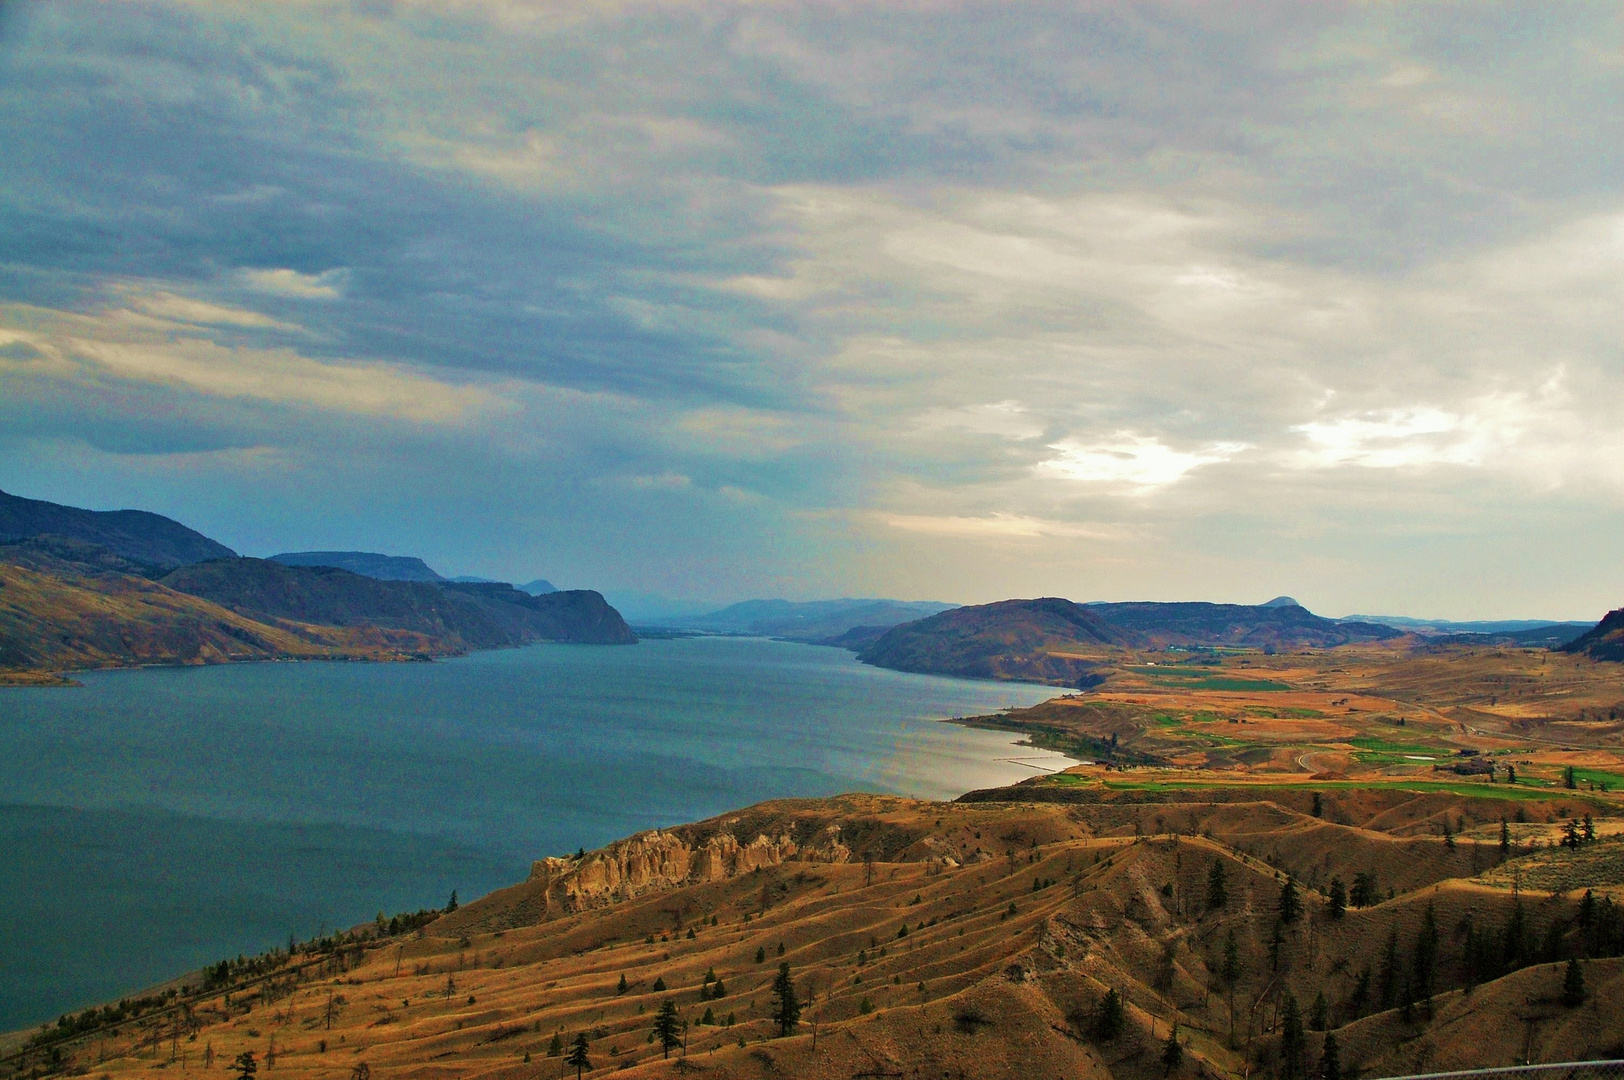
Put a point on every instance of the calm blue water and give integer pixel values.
(156, 820)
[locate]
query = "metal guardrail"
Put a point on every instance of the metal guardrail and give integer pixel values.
(1566, 1070)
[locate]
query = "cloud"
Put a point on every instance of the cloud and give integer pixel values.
(327, 285)
(95, 349)
(1131, 463)
(168, 305)
(995, 527)
(1396, 438)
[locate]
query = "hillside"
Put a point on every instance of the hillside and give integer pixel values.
(1285, 625)
(466, 615)
(68, 620)
(814, 620)
(1048, 640)
(366, 563)
(1605, 641)
(972, 939)
(134, 534)
(1056, 641)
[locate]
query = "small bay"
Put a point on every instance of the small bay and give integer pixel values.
(155, 820)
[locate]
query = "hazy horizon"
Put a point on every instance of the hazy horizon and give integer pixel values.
(722, 301)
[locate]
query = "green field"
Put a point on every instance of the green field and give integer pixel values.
(1379, 745)
(1454, 787)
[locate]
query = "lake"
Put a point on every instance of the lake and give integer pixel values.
(159, 819)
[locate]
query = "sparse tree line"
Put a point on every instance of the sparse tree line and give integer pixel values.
(337, 952)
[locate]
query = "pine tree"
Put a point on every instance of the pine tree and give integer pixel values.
(667, 1027)
(1387, 980)
(1318, 807)
(1339, 898)
(1573, 985)
(1293, 1042)
(717, 990)
(451, 904)
(1217, 886)
(1172, 1052)
(709, 1019)
(1291, 905)
(1231, 971)
(1319, 1013)
(1109, 1020)
(659, 984)
(786, 1005)
(1511, 774)
(622, 986)
(1330, 1065)
(1569, 781)
(761, 955)
(1426, 955)
(246, 1066)
(556, 1047)
(1505, 839)
(578, 1056)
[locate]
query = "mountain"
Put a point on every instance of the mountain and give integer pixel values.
(1281, 601)
(469, 615)
(816, 620)
(538, 587)
(1487, 626)
(367, 563)
(1202, 624)
(69, 605)
(134, 534)
(1056, 641)
(1603, 642)
(1049, 640)
(83, 589)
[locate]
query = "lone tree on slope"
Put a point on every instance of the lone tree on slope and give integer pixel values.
(1573, 985)
(1217, 886)
(668, 1027)
(245, 1065)
(1172, 1052)
(578, 1056)
(786, 1006)
(1291, 905)
(1108, 1023)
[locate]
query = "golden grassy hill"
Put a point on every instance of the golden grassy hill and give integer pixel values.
(965, 939)
(66, 620)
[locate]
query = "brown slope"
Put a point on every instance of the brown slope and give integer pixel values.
(1047, 640)
(463, 616)
(1005, 958)
(52, 622)
(1605, 641)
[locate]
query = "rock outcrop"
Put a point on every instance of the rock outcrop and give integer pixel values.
(657, 860)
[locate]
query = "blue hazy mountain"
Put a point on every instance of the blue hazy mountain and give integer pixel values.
(815, 620)
(367, 564)
(134, 534)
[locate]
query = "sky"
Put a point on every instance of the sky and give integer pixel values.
(715, 300)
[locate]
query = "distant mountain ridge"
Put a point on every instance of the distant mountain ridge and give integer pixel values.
(134, 534)
(1057, 641)
(368, 563)
(1448, 626)
(81, 588)
(812, 620)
